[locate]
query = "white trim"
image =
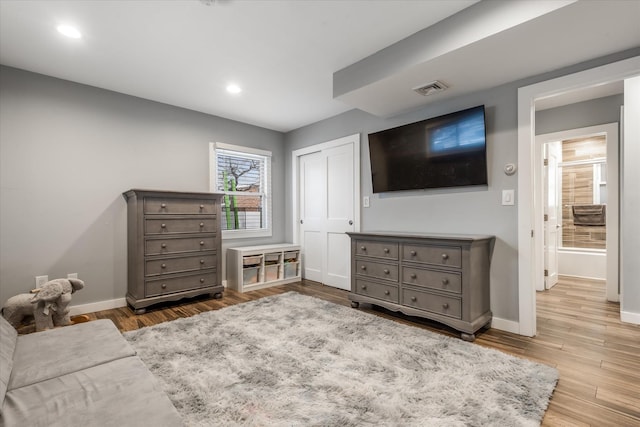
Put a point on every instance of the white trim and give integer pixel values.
(92, 307)
(610, 132)
(530, 247)
(242, 149)
(505, 325)
(630, 317)
(296, 154)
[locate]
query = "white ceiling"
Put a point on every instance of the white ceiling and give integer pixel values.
(284, 53)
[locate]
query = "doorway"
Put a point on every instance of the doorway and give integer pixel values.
(581, 205)
(326, 189)
(530, 216)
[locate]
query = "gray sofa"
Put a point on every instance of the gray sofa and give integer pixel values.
(81, 375)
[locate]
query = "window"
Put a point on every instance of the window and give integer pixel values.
(244, 176)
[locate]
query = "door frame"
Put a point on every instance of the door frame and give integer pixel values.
(354, 140)
(610, 131)
(530, 244)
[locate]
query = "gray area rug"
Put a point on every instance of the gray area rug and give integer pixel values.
(295, 360)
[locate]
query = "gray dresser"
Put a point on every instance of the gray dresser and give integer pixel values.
(439, 277)
(174, 246)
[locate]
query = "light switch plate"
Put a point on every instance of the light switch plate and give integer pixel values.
(365, 201)
(508, 197)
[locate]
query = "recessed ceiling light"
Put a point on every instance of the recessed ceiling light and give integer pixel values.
(233, 88)
(69, 31)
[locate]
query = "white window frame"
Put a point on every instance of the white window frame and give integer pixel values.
(267, 229)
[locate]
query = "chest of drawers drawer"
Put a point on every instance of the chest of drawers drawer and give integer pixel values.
(435, 303)
(433, 279)
(154, 226)
(154, 267)
(435, 255)
(172, 206)
(376, 249)
(179, 245)
(377, 270)
(179, 284)
(383, 291)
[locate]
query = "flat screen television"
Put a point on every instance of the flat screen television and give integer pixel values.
(444, 151)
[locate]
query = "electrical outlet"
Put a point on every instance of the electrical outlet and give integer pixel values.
(41, 280)
(72, 276)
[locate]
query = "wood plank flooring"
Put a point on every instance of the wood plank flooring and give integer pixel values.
(579, 333)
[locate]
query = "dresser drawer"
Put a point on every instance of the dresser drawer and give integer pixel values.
(153, 205)
(437, 255)
(179, 225)
(377, 249)
(447, 306)
(379, 271)
(432, 279)
(178, 284)
(156, 267)
(377, 290)
(179, 245)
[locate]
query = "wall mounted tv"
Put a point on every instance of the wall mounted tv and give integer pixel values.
(445, 151)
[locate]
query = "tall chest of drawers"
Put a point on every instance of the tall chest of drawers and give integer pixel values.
(439, 277)
(174, 246)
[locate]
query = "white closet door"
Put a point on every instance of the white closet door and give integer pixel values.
(327, 206)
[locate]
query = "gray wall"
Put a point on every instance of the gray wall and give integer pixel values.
(579, 115)
(455, 211)
(68, 151)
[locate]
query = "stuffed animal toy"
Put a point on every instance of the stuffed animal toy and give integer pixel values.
(52, 303)
(17, 308)
(49, 306)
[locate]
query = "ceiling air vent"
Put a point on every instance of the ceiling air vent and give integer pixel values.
(430, 88)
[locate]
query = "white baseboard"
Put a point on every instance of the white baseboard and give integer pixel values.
(505, 325)
(630, 317)
(97, 306)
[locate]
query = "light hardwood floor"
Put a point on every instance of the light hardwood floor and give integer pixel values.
(579, 333)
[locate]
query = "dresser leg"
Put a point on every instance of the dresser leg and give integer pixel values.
(217, 295)
(355, 304)
(140, 310)
(468, 337)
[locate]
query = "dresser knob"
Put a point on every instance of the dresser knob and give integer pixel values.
(386, 250)
(164, 286)
(413, 253)
(386, 271)
(445, 281)
(363, 267)
(445, 256)
(201, 280)
(201, 243)
(164, 245)
(414, 299)
(201, 261)
(386, 292)
(363, 248)
(201, 207)
(364, 286)
(164, 266)
(445, 305)
(163, 225)
(163, 205)
(202, 224)
(414, 275)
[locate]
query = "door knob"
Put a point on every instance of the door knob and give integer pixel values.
(350, 222)
(301, 222)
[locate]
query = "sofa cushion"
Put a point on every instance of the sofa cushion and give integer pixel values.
(44, 355)
(8, 338)
(120, 393)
